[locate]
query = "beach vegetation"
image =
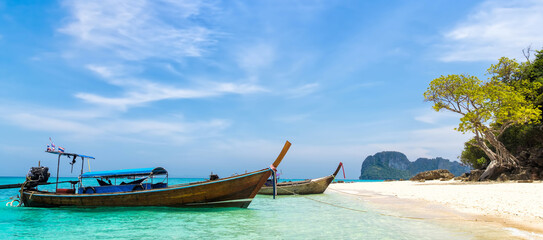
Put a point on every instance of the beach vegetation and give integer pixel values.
(473, 156)
(488, 108)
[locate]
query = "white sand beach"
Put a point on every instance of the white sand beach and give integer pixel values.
(511, 204)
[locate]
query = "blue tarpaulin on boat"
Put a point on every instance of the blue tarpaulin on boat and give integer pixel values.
(126, 172)
(120, 188)
(71, 154)
(113, 188)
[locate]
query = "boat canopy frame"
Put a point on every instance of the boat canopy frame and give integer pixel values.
(145, 173)
(74, 156)
(137, 172)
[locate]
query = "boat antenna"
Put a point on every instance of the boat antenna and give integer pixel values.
(72, 163)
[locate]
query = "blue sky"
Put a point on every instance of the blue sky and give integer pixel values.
(201, 86)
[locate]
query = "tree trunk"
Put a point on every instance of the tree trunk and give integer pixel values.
(493, 171)
(501, 160)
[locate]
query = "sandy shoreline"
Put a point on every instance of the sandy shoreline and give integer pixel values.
(510, 204)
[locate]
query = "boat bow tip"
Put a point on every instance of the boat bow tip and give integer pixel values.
(282, 154)
(337, 170)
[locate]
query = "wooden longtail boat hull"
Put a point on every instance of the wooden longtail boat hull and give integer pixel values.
(312, 186)
(236, 191)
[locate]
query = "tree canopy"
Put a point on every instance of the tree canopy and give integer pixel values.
(519, 139)
(488, 108)
(482, 104)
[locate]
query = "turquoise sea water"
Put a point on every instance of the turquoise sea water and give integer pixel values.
(323, 216)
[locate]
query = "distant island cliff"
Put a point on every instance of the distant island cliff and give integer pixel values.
(395, 165)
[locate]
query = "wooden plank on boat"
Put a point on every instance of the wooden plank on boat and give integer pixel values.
(16, 185)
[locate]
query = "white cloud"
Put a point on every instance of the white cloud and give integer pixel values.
(495, 29)
(101, 70)
(139, 29)
(256, 57)
(303, 90)
(102, 124)
(49, 123)
(433, 117)
(140, 92)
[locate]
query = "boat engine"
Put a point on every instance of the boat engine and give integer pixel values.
(213, 177)
(39, 174)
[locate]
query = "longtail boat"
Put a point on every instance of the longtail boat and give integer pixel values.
(309, 186)
(234, 191)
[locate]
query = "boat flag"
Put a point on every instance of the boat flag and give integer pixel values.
(48, 148)
(60, 149)
(52, 145)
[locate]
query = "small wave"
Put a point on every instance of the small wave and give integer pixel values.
(524, 234)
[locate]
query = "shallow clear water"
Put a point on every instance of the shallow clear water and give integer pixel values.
(329, 215)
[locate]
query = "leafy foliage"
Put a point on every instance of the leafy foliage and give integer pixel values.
(474, 156)
(488, 108)
(525, 79)
(481, 103)
(528, 80)
(533, 71)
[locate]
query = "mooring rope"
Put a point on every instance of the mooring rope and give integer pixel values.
(365, 211)
(323, 202)
(407, 217)
(358, 210)
(7, 200)
(11, 200)
(10, 204)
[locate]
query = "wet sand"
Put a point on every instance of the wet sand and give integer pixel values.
(516, 207)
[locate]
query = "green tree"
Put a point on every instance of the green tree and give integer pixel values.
(487, 109)
(520, 138)
(527, 79)
(473, 155)
(533, 72)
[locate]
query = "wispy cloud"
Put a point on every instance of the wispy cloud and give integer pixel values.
(303, 90)
(139, 92)
(433, 117)
(253, 58)
(495, 29)
(101, 124)
(139, 29)
(106, 72)
(48, 123)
